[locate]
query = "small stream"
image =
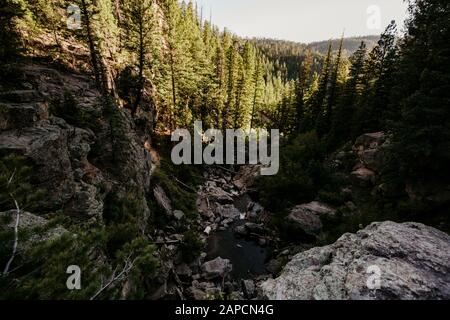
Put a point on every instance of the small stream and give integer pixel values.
(247, 257)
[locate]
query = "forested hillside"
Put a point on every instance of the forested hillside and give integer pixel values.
(288, 55)
(379, 90)
(161, 50)
(88, 103)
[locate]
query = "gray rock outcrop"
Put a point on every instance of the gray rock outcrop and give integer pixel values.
(384, 261)
(56, 153)
(307, 217)
(368, 150)
(216, 268)
(65, 166)
(163, 200)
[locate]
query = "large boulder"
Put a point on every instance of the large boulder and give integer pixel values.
(203, 290)
(121, 155)
(308, 217)
(216, 268)
(363, 177)
(46, 146)
(86, 201)
(217, 194)
(204, 206)
(246, 176)
(227, 211)
(370, 141)
(30, 222)
(162, 200)
(248, 286)
(368, 149)
(384, 261)
(58, 153)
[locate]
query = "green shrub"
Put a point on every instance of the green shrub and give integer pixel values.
(41, 271)
(121, 208)
(15, 176)
(191, 246)
(300, 177)
(146, 266)
(10, 45)
(179, 183)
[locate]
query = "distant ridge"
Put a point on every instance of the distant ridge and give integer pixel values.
(350, 44)
(288, 54)
(281, 47)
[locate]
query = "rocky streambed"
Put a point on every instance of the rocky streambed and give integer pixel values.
(242, 257)
(238, 250)
(247, 257)
(238, 246)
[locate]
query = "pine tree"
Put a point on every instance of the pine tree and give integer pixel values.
(209, 84)
(171, 33)
(318, 101)
(257, 90)
(331, 99)
(286, 110)
(139, 24)
(301, 87)
(422, 137)
(196, 64)
(242, 109)
(10, 11)
(341, 126)
(323, 122)
(379, 70)
(231, 67)
(219, 71)
(88, 10)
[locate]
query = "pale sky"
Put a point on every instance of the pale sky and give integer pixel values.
(303, 20)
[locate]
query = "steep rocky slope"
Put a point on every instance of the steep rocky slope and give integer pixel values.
(90, 165)
(77, 161)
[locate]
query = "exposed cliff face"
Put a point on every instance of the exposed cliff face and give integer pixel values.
(77, 161)
(412, 260)
(368, 151)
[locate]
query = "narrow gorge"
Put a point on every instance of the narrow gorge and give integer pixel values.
(93, 206)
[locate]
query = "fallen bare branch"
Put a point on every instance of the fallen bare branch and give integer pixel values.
(126, 269)
(12, 177)
(16, 239)
(226, 169)
(184, 185)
